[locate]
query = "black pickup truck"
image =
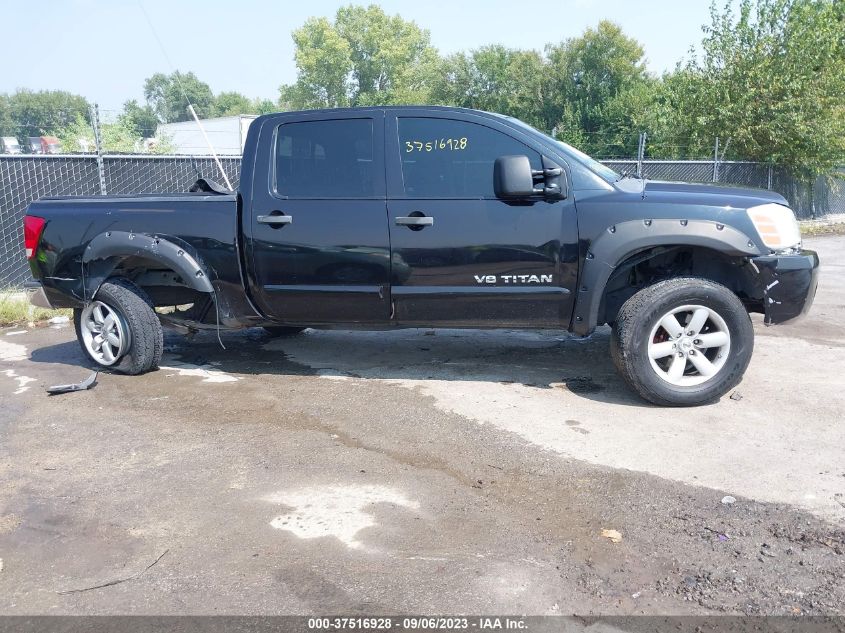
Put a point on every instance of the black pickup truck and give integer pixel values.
(437, 217)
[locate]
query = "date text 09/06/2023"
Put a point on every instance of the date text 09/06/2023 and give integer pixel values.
(416, 623)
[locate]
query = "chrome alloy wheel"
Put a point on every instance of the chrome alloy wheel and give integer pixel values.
(104, 333)
(689, 345)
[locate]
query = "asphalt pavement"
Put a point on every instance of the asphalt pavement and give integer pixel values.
(422, 471)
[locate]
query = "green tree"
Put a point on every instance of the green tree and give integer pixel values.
(46, 112)
(77, 136)
(620, 120)
(120, 136)
(497, 79)
(363, 57)
(263, 106)
(324, 64)
(142, 118)
(601, 72)
(771, 78)
(7, 125)
(168, 96)
(232, 104)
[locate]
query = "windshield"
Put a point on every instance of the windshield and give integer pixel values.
(590, 163)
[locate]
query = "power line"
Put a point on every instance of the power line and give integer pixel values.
(174, 72)
(193, 112)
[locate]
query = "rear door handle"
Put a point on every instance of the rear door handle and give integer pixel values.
(275, 220)
(415, 221)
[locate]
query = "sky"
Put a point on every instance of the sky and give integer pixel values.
(104, 49)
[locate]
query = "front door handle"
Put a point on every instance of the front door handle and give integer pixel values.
(415, 221)
(275, 219)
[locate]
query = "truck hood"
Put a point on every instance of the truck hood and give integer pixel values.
(717, 195)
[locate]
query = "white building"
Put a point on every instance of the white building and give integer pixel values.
(227, 134)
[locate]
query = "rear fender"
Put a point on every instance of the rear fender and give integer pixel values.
(106, 251)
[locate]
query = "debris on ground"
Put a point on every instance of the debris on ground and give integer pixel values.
(728, 500)
(79, 386)
(719, 535)
(614, 535)
(766, 550)
(111, 583)
(736, 395)
(57, 320)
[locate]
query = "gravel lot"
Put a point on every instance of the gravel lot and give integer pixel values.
(422, 472)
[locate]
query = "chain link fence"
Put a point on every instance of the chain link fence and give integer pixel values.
(810, 200)
(163, 174)
(25, 178)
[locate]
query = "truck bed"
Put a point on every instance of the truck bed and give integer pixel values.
(205, 224)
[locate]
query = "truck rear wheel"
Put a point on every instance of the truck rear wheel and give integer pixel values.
(119, 328)
(682, 342)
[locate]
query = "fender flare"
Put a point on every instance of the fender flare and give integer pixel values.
(620, 241)
(105, 251)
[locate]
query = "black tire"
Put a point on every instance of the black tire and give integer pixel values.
(133, 306)
(641, 314)
(278, 331)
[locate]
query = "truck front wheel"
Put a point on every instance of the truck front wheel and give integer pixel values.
(682, 342)
(119, 328)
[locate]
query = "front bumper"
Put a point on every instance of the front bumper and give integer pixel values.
(789, 284)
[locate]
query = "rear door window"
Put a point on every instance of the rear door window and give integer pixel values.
(325, 159)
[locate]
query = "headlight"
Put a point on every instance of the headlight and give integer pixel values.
(776, 225)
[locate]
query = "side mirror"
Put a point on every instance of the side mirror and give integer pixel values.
(513, 178)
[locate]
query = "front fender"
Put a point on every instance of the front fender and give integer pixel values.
(620, 241)
(105, 251)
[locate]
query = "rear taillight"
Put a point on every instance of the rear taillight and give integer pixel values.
(32, 227)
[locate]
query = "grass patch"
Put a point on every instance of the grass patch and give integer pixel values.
(15, 309)
(814, 227)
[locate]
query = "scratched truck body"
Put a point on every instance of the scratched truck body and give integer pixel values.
(439, 217)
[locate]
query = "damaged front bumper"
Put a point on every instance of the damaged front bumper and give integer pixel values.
(789, 284)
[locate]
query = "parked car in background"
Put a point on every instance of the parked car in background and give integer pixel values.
(50, 145)
(9, 145)
(44, 145)
(34, 145)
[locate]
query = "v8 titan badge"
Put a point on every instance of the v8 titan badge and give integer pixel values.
(513, 279)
